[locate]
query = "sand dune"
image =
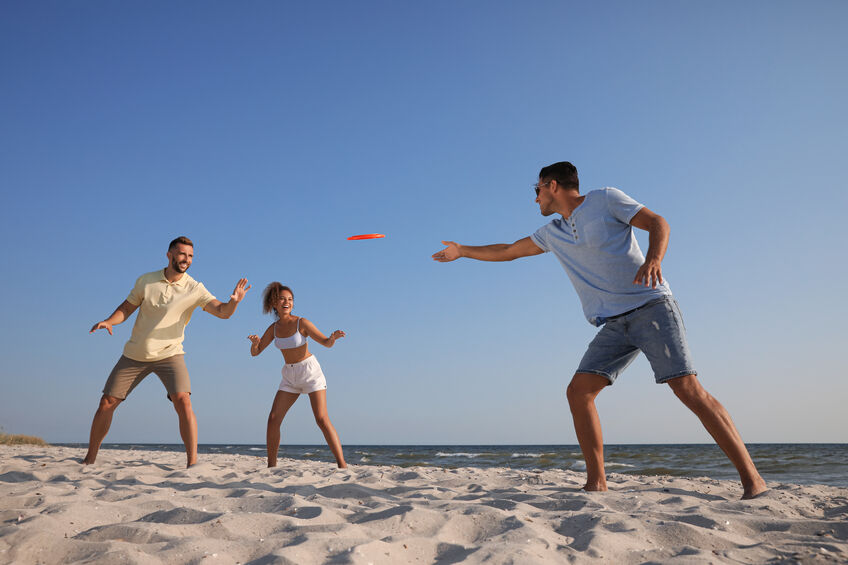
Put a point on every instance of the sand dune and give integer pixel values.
(142, 507)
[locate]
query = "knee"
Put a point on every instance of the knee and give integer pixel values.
(275, 419)
(584, 388)
(689, 390)
(108, 403)
(573, 392)
(182, 402)
(323, 421)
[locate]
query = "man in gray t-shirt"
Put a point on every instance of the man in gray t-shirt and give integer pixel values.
(624, 293)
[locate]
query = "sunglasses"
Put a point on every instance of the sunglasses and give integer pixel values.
(537, 186)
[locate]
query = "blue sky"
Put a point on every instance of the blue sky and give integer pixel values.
(268, 132)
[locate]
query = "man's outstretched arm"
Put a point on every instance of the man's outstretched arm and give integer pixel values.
(495, 252)
(225, 310)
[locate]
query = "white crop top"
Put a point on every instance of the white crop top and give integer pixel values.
(295, 340)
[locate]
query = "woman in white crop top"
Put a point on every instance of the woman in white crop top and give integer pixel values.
(301, 372)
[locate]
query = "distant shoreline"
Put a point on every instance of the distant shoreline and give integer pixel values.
(785, 463)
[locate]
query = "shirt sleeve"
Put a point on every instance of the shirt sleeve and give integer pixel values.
(204, 297)
(137, 293)
(621, 206)
(540, 237)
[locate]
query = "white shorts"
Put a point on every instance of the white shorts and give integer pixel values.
(303, 377)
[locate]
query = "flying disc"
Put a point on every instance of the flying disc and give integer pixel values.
(366, 236)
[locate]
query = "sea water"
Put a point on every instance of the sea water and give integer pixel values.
(798, 463)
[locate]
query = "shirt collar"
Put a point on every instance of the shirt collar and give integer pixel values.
(181, 282)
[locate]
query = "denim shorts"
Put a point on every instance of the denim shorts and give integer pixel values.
(656, 329)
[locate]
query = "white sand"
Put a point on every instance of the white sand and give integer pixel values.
(143, 507)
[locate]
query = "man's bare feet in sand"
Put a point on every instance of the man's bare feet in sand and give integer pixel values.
(599, 486)
(758, 488)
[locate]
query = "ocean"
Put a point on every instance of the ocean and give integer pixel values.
(798, 463)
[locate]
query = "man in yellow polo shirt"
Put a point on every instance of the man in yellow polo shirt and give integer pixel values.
(165, 300)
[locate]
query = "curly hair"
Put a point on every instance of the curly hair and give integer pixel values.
(271, 296)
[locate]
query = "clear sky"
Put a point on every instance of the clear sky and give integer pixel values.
(268, 132)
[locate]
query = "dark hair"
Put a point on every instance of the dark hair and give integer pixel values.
(271, 295)
(563, 172)
(180, 240)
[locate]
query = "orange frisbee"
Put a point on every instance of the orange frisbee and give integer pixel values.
(366, 236)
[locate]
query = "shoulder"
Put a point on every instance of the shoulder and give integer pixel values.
(192, 284)
(611, 191)
(304, 323)
(612, 194)
(151, 277)
(552, 226)
(602, 196)
(608, 197)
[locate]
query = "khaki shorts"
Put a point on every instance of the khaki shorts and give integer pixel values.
(128, 373)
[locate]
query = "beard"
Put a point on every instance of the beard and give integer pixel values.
(178, 267)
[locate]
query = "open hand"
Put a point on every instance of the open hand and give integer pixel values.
(449, 253)
(241, 289)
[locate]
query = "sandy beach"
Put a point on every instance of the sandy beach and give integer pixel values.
(143, 507)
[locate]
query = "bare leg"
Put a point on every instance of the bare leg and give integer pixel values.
(581, 393)
(188, 425)
(100, 426)
(717, 421)
(282, 402)
(318, 400)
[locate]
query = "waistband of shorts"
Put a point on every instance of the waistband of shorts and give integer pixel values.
(645, 305)
(299, 363)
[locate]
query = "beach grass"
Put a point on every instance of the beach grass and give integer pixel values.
(17, 439)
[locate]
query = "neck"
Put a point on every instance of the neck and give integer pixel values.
(568, 202)
(172, 275)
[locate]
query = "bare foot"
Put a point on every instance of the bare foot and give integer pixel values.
(342, 465)
(755, 490)
(595, 487)
(87, 462)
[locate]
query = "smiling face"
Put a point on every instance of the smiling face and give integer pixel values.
(285, 302)
(180, 257)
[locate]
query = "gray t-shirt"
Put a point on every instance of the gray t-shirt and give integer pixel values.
(598, 250)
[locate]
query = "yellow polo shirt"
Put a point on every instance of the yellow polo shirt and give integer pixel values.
(164, 311)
